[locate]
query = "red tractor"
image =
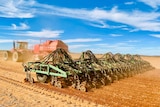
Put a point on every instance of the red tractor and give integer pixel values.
(21, 52)
(16, 54)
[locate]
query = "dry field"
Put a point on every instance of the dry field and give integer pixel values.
(142, 90)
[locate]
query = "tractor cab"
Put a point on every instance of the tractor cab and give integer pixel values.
(20, 45)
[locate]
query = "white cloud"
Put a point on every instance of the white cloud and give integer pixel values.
(153, 3)
(96, 48)
(116, 45)
(99, 25)
(77, 46)
(16, 8)
(81, 40)
(119, 26)
(129, 3)
(22, 26)
(126, 47)
(137, 19)
(24, 40)
(120, 47)
(114, 48)
(148, 51)
(147, 21)
(115, 35)
(134, 30)
(155, 35)
(6, 40)
(9, 42)
(41, 34)
(133, 41)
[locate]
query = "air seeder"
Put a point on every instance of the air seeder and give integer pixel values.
(59, 69)
(87, 72)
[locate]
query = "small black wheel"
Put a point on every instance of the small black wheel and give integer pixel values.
(42, 77)
(83, 88)
(58, 84)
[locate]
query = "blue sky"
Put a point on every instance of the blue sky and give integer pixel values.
(124, 26)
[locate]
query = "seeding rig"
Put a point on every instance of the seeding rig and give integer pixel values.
(87, 72)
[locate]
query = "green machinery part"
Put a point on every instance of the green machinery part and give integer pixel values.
(87, 72)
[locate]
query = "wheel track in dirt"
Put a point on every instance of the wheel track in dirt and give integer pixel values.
(41, 89)
(10, 69)
(67, 94)
(81, 96)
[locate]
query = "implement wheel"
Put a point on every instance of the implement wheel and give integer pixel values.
(17, 57)
(83, 89)
(7, 55)
(58, 84)
(42, 77)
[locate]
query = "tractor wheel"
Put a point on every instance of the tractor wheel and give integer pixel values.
(42, 77)
(7, 55)
(17, 57)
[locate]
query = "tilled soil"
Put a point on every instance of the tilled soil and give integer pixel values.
(141, 90)
(17, 93)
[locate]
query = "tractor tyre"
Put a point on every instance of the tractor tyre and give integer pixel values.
(42, 77)
(7, 55)
(17, 57)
